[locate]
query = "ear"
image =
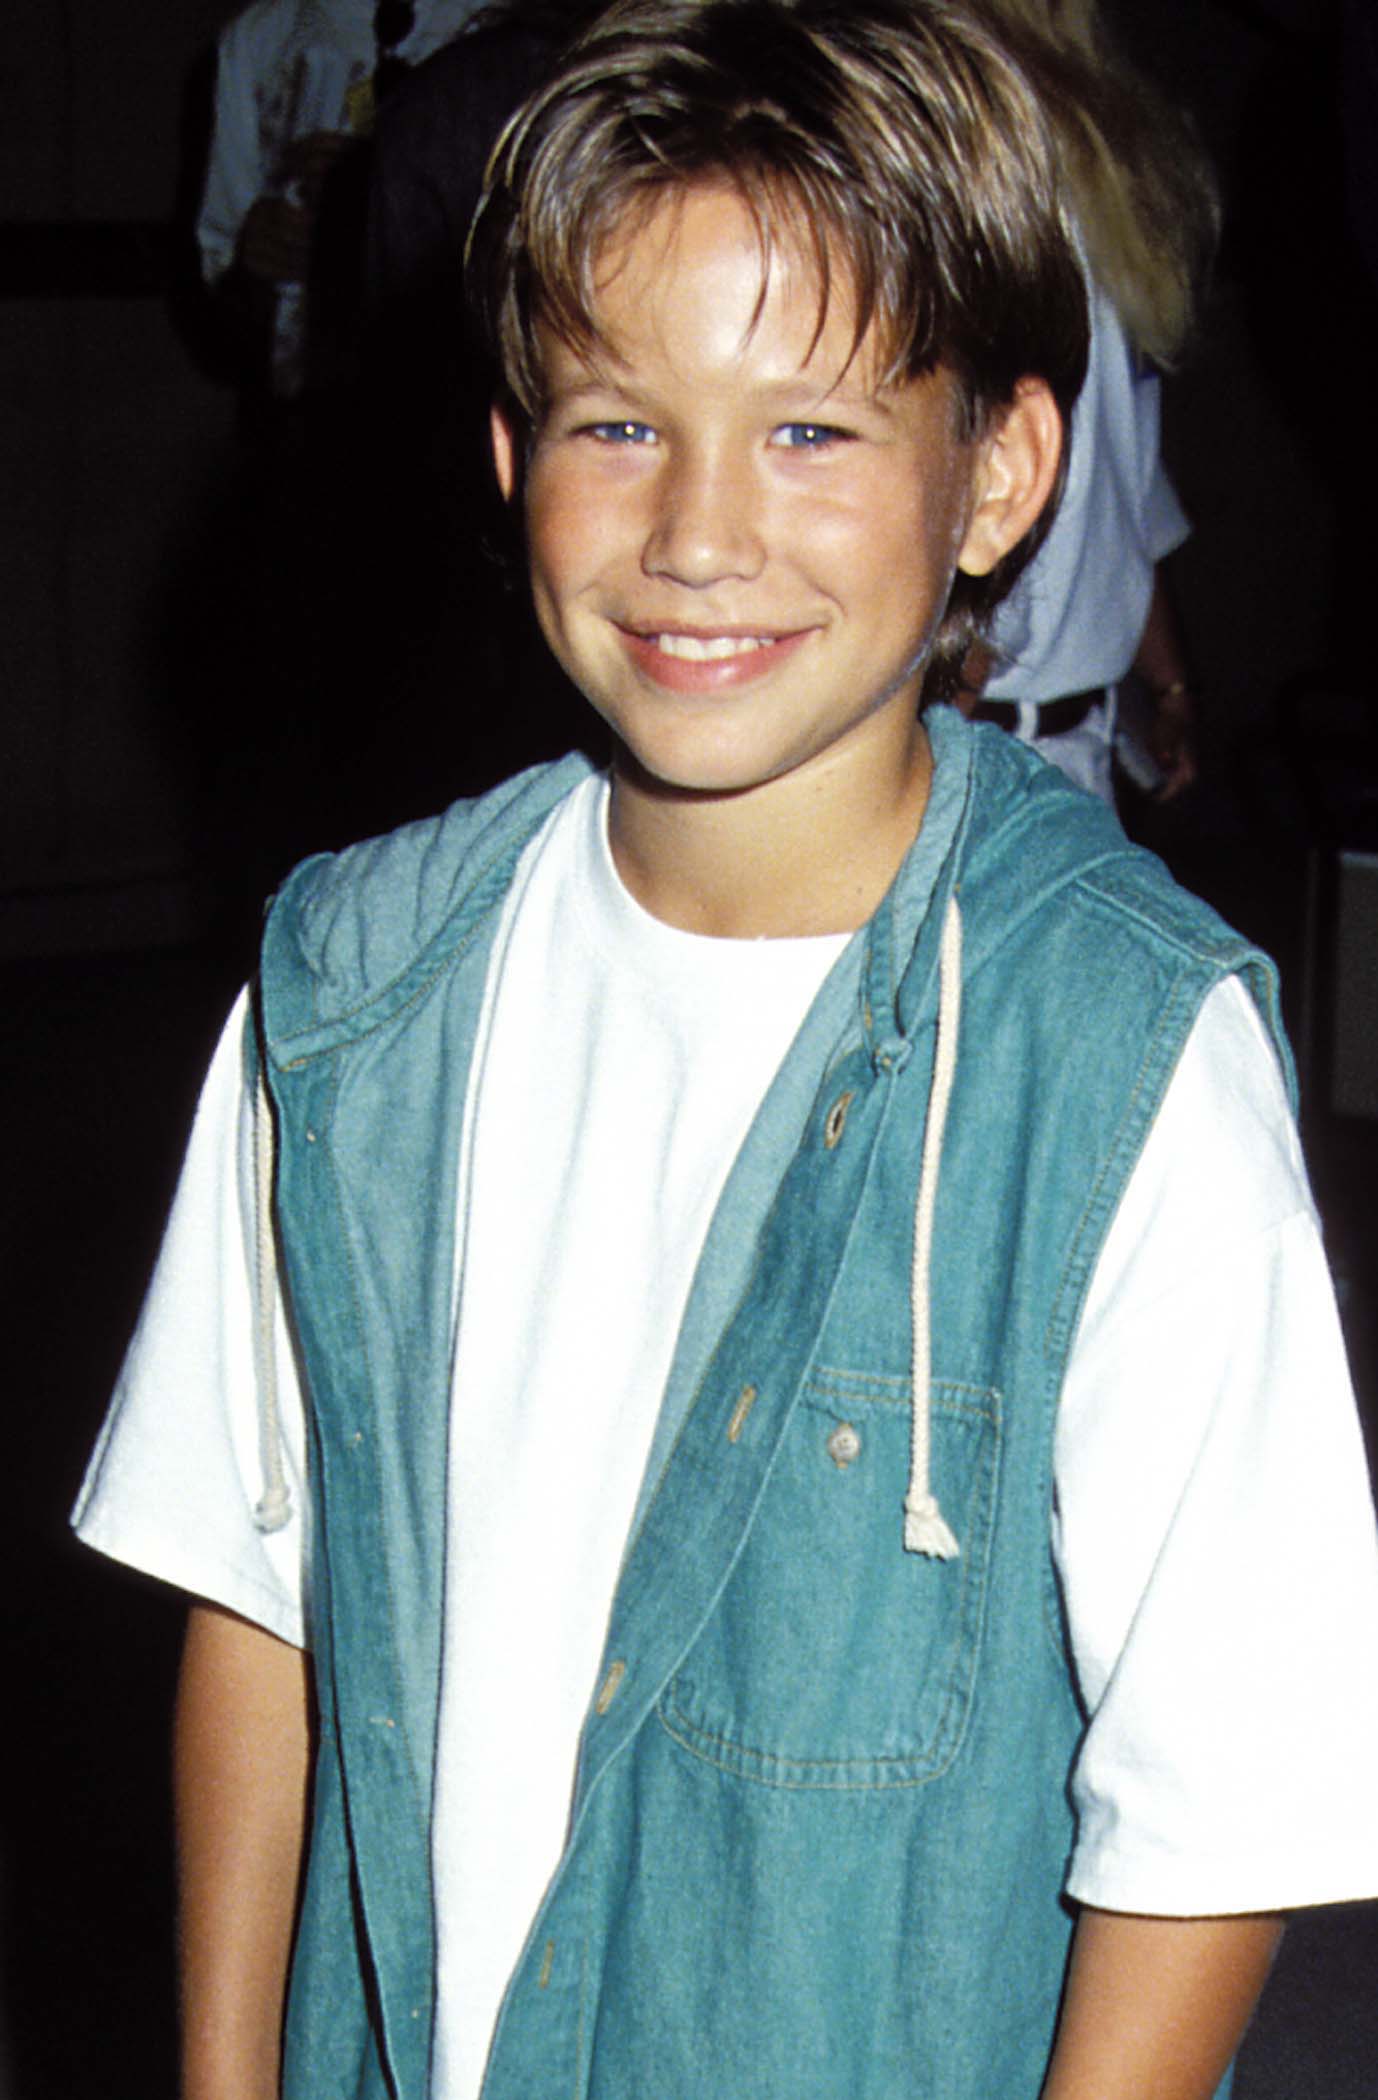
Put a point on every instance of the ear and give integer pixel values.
(1015, 472)
(506, 452)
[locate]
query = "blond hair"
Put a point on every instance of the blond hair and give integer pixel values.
(1143, 192)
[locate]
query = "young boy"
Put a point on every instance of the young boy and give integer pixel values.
(832, 1538)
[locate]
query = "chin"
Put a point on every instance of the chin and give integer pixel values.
(686, 779)
(699, 764)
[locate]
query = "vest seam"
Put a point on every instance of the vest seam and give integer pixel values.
(1115, 1168)
(1194, 978)
(733, 1387)
(1223, 949)
(307, 908)
(281, 1046)
(816, 1386)
(936, 1769)
(384, 2039)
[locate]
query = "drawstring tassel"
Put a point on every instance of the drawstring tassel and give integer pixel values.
(925, 1529)
(273, 1508)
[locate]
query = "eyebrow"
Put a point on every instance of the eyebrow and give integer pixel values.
(842, 398)
(590, 384)
(794, 397)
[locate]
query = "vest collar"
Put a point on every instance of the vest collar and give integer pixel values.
(899, 975)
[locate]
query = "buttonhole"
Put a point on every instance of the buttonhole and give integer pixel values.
(836, 1122)
(746, 1400)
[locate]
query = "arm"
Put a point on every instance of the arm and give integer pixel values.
(1156, 2007)
(1159, 662)
(277, 230)
(241, 1750)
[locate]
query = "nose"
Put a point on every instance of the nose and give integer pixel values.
(705, 526)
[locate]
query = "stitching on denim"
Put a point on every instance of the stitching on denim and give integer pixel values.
(451, 960)
(580, 2026)
(734, 1761)
(1115, 884)
(950, 1724)
(828, 1383)
(1055, 1628)
(311, 906)
(946, 1741)
(724, 1344)
(1058, 1332)
(327, 1167)
(1181, 1001)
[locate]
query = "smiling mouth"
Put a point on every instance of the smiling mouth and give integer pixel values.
(687, 661)
(709, 648)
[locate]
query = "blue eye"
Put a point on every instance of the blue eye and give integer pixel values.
(628, 433)
(810, 437)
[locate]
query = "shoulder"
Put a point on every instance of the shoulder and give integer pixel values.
(1041, 850)
(1220, 1172)
(1066, 921)
(347, 926)
(259, 35)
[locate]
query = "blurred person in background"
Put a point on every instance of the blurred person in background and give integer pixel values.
(298, 83)
(1093, 606)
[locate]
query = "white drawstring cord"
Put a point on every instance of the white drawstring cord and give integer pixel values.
(275, 1506)
(925, 1529)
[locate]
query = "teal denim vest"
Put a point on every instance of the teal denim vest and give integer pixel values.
(821, 1822)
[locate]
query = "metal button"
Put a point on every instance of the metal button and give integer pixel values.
(844, 1445)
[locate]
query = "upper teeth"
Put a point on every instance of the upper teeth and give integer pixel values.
(704, 648)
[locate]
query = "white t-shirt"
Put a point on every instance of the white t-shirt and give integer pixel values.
(1212, 1520)
(619, 1063)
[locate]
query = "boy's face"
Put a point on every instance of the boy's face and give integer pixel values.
(740, 545)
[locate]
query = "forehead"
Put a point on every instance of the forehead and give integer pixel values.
(705, 269)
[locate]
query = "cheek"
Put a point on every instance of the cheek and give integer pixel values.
(850, 535)
(893, 549)
(895, 557)
(900, 511)
(570, 526)
(929, 535)
(550, 542)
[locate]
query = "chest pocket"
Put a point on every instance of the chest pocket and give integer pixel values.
(834, 1658)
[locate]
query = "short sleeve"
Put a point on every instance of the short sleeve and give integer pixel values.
(178, 1469)
(1213, 1524)
(236, 172)
(1166, 524)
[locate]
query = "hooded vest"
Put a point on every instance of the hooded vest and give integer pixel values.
(821, 1822)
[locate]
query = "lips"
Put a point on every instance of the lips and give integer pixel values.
(687, 660)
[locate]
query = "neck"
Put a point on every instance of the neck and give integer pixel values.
(812, 852)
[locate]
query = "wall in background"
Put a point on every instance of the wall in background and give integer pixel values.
(114, 450)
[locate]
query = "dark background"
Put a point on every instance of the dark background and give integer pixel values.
(145, 803)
